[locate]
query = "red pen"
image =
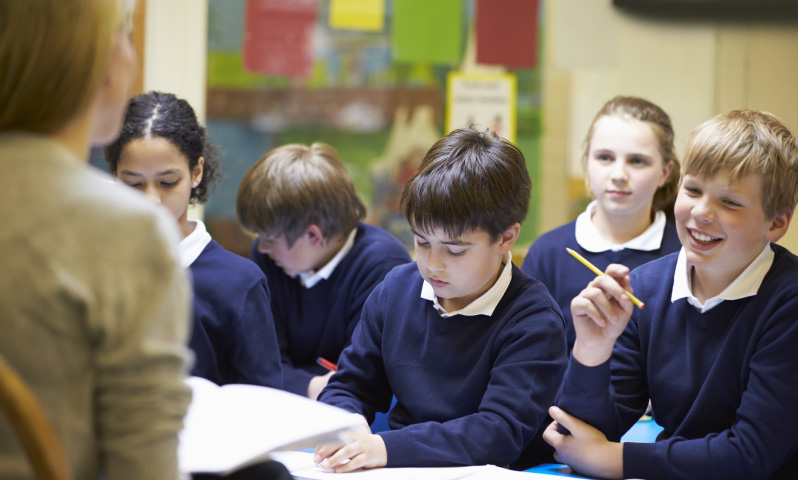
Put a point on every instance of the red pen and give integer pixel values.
(327, 364)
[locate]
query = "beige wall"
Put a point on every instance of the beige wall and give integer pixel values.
(757, 67)
(176, 53)
(176, 49)
(694, 70)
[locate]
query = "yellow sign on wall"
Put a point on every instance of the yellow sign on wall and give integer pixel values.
(484, 100)
(366, 15)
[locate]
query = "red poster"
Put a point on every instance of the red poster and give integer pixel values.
(507, 32)
(278, 36)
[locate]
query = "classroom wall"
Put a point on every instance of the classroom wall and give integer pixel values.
(175, 54)
(756, 67)
(591, 52)
(176, 45)
(693, 69)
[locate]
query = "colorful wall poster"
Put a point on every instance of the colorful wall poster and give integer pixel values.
(507, 32)
(278, 36)
(482, 99)
(428, 31)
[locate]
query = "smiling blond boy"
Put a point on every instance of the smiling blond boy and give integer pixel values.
(714, 349)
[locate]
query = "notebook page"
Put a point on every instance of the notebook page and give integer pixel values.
(229, 427)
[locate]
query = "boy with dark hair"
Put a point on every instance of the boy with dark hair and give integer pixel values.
(321, 262)
(472, 348)
(714, 348)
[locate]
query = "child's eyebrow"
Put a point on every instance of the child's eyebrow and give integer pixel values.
(456, 242)
(134, 174)
(610, 151)
(453, 241)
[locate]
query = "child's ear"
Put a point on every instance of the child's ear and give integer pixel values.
(508, 238)
(315, 235)
(196, 174)
(779, 226)
(666, 173)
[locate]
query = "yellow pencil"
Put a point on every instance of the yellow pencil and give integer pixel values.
(595, 270)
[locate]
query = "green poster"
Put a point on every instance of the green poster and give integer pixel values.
(428, 31)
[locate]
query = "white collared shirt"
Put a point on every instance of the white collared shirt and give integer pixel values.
(192, 246)
(486, 303)
(745, 285)
(589, 238)
(311, 278)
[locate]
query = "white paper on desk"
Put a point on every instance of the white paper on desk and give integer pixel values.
(301, 466)
(233, 426)
(492, 472)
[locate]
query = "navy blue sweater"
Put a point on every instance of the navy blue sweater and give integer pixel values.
(233, 336)
(723, 384)
(470, 390)
(319, 321)
(565, 277)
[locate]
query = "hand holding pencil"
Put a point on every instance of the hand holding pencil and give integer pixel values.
(595, 270)
(600, 313)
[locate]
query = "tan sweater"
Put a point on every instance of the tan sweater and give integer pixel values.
(94, 313)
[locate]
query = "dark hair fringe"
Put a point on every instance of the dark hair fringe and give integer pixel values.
(166, 116)
(469, 180)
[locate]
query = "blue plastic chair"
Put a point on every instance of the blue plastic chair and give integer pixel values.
(380, 423)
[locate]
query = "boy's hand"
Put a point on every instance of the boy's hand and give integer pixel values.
(600, 314)
(586, 450)
(364, 450)
(317, 384)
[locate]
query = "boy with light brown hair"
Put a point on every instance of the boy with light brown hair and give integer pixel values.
(714, 347)
(321, 261)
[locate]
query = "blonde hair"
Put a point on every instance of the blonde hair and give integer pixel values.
(294, 186)
(745, 142)
(660, 123)
(53, 58)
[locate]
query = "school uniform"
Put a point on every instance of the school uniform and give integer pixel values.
(316, 313)
(565, 277)
(233, 337)
(472, 387)
(722, 382)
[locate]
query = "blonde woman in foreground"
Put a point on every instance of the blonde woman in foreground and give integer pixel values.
(94, 307)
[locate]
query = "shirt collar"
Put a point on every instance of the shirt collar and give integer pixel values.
(195, 242)
(311, 278)
(745, 285)
(486, 303)
(589, 238)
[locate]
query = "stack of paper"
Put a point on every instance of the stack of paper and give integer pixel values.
(234, 426)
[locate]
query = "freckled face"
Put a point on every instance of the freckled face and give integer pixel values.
(459, 269)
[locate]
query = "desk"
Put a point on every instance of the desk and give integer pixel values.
(642, 431)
